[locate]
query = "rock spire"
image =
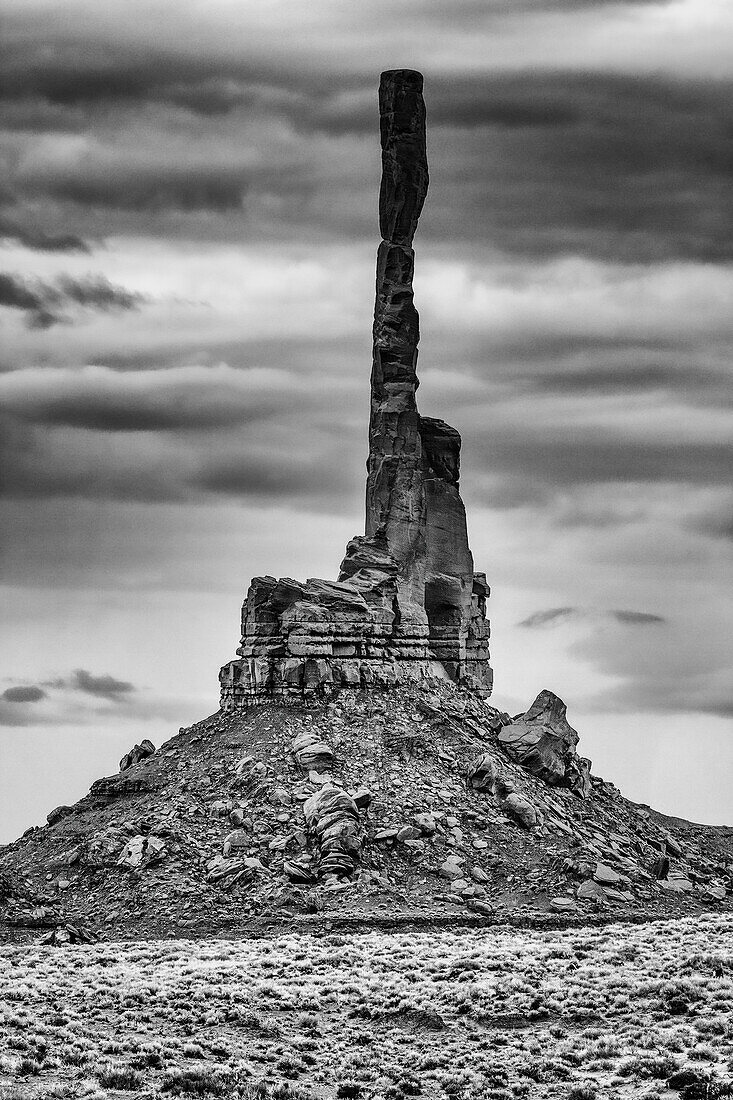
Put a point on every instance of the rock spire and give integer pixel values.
(407, 603)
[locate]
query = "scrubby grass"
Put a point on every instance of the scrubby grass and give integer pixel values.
(580, 1014)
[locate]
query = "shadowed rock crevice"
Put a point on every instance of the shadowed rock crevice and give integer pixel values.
(407, 603)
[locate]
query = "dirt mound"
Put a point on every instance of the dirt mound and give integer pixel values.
(376, 807)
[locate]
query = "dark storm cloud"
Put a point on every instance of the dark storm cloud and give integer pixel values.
(539, 163)
(533, 162)
(259, 477)
(202, 86)
(145, 435)
(44, 303)
(103, 686)
(191, 398)
(555, 615)
(691, 381)
(60, 708)
(16, 716)
(94, 55)
(637, 618)
(536, 467)
(615, 166)
(39, 241)
(717, 526)
(551, 615)
(23, 694)
(167, 188)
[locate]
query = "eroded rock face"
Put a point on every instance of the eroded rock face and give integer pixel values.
(407, 603)
(332, 818)
(136, 754)
(543, 742)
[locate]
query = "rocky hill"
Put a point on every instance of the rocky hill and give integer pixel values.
(386, 807)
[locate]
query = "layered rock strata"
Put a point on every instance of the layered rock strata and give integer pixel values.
(407, 603)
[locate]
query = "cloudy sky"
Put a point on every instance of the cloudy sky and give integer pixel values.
(188, 229)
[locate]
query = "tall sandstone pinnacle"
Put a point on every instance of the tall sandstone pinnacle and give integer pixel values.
(412, 494)
(407, 603)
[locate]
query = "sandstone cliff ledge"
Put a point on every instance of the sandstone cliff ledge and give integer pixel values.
(407, 604)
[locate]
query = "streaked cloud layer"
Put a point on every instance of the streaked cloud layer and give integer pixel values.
(187, 236)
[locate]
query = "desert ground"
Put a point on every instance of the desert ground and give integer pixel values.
(622, 1011)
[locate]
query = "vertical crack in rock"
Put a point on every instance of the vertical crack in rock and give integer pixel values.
(407, 603)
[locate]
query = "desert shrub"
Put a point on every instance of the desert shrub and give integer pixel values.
(348, 1090)
(290, 1066)
(702, 1053)
(147, 1059)
(76, 1057)
(308, 1021)
(711, 1025)
(606, 1047)
(710, 962)
(192, 1050)
(198, 1081)
(649, 1065)
(283, 1090)
(29, 1067)
(119, 1077)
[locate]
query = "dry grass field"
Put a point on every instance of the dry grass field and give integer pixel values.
(480, 1015)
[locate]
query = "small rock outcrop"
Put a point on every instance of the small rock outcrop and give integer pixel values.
(407, 604)
(544, 743)
(136, 754)
(333, 820)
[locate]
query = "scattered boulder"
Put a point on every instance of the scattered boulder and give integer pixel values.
(68, 934)
(485, 908)
(578, 777)
(225, 873)
(563, 905)
(591, 891)
(677, 882)
(332, 818)
(483, 774)
(605, 875)
(451, 868)
(58, 814)
(142, 851)
(102, 848)
(239, 838)
(136, 754)
(426, 824)
(312, 752)
(519, 808)
(219, 808)
(299, 871)
(544, 743)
